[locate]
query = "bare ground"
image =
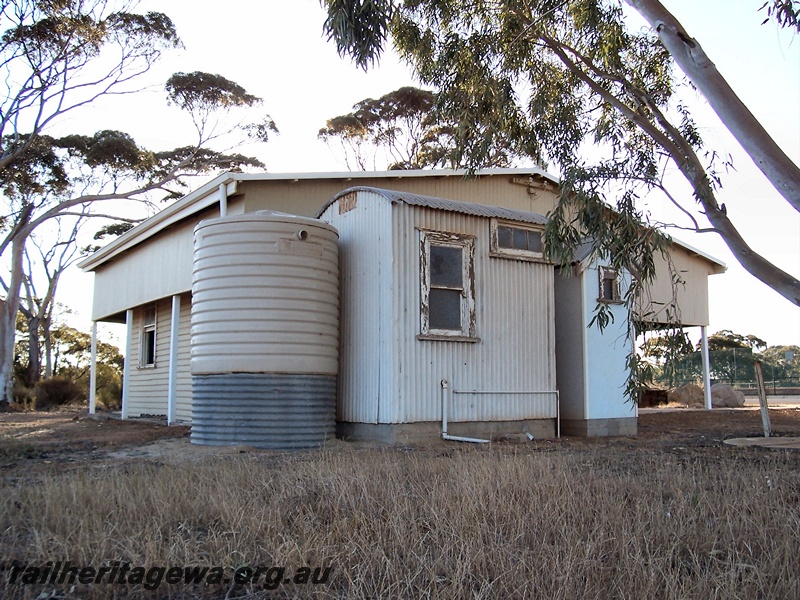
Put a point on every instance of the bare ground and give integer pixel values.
(32, 441)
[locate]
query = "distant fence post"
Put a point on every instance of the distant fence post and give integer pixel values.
(762, 398)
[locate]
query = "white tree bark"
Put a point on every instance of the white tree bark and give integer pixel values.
(8, 320)
(779, 169)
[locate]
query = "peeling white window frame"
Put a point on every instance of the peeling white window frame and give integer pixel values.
(497, 251)
(465, 243)
(605, 273)
(145, 331)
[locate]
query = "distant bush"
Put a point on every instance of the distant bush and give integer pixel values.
(56, 391)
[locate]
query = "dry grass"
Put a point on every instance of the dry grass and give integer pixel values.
(447, 522)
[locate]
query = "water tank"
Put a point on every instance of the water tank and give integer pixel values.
(265, 331)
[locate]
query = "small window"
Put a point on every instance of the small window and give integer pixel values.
(515, 240)
(609, 285)
(447, 306)
(147, 338)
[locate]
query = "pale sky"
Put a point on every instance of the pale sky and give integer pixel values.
(275, 49)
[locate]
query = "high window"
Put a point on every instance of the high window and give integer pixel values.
(609, 285)
(147, 338)
(515, 240)
(447, 303)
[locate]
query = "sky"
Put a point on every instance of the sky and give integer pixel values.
(276, 50)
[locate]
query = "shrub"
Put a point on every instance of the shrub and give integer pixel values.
(56, 391)
(24, 397)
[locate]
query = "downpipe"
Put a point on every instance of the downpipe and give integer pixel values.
(445, 406)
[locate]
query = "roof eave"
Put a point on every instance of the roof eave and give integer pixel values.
(186, 206)
(193, 201)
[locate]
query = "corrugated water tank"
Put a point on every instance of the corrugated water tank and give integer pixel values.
(265, 331)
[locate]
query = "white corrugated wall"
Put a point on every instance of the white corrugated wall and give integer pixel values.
(365, 306)
(514, 321)
(387, 375)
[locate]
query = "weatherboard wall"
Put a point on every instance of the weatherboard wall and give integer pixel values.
(149, 385)
(306, 197)
(160, 267)
(681, 278)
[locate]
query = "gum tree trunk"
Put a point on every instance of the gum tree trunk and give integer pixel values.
(778, 168)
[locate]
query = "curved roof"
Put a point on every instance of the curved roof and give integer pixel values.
(465, 208)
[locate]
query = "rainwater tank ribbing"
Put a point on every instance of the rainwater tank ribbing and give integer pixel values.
(265, 331)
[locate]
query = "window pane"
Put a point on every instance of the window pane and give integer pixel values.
(504, 237)
(149, 350)
(444, 309)
(608, 289)
(534, 241)
(446, 268)
(520, 239)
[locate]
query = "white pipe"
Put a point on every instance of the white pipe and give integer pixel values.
(223, 200)
(706, 366)
(93, 371)
(126, 374)
(558, 414)
(444, 408)
(445, 435)
(172, 377)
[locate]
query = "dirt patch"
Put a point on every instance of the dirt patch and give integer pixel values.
(61, 439)
(28, 439)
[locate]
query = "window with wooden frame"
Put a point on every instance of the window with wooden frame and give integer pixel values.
(147, 338)
(609, 285)
(521, 241)
(447, 286)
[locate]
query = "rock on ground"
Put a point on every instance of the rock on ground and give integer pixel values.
(689, 394)
(724, 396)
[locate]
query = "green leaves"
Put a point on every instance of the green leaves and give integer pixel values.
(785, 12)
(359, 28)
(108, 149)
(144, 32)
(37, 169)
(205, 91)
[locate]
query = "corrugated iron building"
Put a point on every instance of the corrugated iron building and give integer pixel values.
(499, 369)
(144, 279)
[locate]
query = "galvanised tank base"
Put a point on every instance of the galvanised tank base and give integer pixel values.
(264, 410)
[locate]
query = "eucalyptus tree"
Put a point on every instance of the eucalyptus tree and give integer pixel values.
(573, 85)
(45, 261)
(59, 56)
(405, 125)
(396, 122)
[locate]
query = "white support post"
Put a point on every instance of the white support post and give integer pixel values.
(706, 366)
(173, 359)
(126, 374)
(93, 371)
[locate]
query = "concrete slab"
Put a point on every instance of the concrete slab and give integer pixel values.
(776, 443)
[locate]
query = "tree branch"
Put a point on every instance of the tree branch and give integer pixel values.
(691, 168)
(778, 168)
